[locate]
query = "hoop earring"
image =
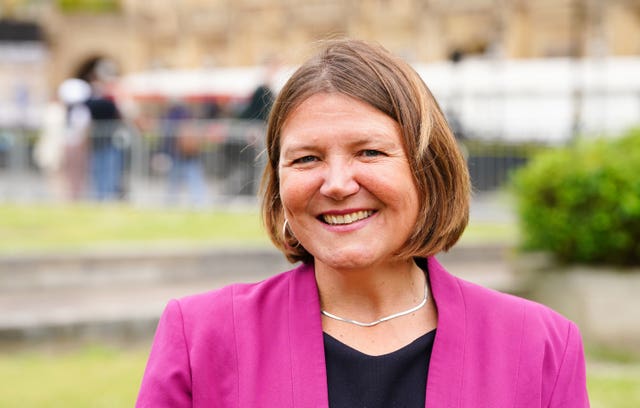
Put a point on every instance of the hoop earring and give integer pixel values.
(284, 229)
(285, 224)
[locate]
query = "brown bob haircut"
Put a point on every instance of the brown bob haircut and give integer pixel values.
(370, 74)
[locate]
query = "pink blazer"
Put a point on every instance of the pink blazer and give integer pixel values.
(260, 345)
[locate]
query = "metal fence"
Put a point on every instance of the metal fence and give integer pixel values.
(203, 163)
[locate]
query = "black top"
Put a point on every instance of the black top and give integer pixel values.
(259, 105)
(104, 114)
(397, 379)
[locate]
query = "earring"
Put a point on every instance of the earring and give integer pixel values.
(284, 229)
(285, 224)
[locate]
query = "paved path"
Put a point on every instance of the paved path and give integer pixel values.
(120, 295)
(111, 297)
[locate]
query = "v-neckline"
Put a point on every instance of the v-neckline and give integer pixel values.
(390, 354)
(444, 384)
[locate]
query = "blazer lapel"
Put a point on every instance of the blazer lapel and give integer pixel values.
(444, 384)
(308, 368)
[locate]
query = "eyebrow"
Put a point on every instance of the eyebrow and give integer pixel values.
(380, 141)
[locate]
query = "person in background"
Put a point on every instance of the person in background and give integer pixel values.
(183, 144)
(73, 157)
(364, 186)
(48, 152)
(242, 148)
(106, 150)
(259, 104)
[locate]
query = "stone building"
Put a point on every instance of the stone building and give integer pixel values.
(141, 35)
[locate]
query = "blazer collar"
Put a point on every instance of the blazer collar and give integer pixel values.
(444, 384)
(308, 370)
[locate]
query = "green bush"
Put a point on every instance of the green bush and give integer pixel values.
(582, 203)
(88, 6)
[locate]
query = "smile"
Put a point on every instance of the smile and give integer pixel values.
(343, 219)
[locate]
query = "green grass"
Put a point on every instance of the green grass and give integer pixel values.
(94, 377)
(108, 377)
(46, 228)
(29, 228)
(614, 385)
(490, 233)
(100, 377)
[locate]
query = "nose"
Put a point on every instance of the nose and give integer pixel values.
(339, 181)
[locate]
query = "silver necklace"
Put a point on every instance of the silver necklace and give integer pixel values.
(383, 319)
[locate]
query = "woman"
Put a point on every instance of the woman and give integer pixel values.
(364, 185)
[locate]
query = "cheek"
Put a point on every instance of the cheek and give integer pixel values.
(395, 183)
(399, 193)
(295, 191)
(411, 200)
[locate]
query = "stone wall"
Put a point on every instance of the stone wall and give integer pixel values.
(602, 301)
(197, 33)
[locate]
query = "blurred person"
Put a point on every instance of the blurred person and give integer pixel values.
(263, 96)
(73, 158)
(364, 186)
(106, 150)
(241, 151)
(211, 109)
(260, 103)
(48, 152)
(183, 143)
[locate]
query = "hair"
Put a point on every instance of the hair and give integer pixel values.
(369, 73)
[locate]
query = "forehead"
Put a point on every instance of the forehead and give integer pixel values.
(335, 114)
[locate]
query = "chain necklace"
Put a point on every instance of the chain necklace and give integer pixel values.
(383, 319)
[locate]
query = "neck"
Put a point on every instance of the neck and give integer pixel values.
(367, 294)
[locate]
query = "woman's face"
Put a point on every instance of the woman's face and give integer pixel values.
(345, 182)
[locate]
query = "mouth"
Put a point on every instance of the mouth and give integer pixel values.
(345, 219)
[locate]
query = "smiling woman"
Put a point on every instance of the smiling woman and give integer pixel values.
(364, 185)
(354, 181)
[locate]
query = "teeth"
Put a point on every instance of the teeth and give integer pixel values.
(346, 218)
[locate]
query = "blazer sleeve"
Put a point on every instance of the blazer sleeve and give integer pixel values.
(167, 378)
(570, 390)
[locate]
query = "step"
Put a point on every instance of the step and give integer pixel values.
(119, 296)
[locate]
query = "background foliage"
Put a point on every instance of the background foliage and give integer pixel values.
(582, 202)
(91, 6)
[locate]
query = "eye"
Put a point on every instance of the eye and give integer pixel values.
(371, 153)
(305, 159)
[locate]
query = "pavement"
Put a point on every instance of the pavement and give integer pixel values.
(117, 296)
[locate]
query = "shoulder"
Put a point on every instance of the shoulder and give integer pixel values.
(496, 308)
(221, 304)
(539, 338)
(220, 316)
(546, 345)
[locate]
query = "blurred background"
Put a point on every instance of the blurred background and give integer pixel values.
(131, 140)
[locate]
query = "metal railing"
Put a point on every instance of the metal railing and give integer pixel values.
(203, 163)
(119, 161)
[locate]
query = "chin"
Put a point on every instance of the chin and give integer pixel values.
(348, 260)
